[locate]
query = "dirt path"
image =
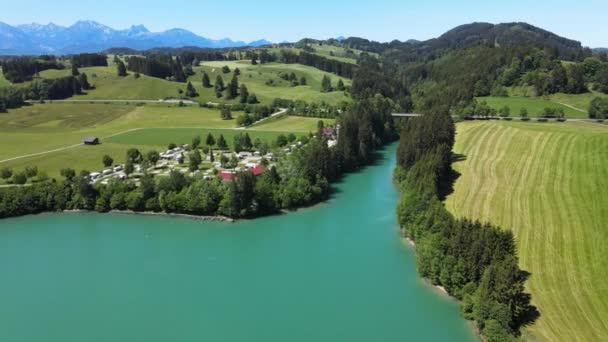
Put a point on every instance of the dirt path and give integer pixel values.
(282, 111)
(569, 106)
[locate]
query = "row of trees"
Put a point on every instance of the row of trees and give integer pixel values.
(342, 69)
(483, 110)
(43, 89)
(477, 263)
(89, 60)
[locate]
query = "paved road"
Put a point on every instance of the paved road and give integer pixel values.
(513, 118)
(173, 101)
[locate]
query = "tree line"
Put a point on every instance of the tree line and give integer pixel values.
(89, 60)
(342, 69)
(160, 66)
(475, 262)
(43, 89)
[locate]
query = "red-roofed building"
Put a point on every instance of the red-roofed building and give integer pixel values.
(257, 170)
(228, 175)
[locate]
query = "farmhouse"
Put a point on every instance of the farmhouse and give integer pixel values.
(91, 141)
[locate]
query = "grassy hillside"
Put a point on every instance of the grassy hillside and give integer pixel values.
(330, 51)
(534, 105)
(109, 86)
(257, 76)
(546, 183)
(579, 101)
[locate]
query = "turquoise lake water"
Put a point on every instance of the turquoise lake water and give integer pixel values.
(335, 272)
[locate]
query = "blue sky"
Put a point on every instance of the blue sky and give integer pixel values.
(276, 20)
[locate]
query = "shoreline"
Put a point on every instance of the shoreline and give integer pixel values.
(152, 213)
(440, 290)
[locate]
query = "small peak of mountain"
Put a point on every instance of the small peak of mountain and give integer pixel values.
(40, 27)
(260, 42)
(139, 29)
(88, 24)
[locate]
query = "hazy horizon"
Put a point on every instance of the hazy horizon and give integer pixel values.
(272, 20)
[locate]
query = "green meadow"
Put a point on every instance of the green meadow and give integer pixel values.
(264, 81)
(546, 183)
(534, 105)
(58, 128)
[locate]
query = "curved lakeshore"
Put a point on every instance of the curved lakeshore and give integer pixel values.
(337, 271)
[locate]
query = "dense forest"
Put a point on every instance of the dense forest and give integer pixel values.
(89, 60)
(161, 66)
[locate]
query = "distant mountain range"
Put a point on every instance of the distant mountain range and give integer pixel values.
(90, 36)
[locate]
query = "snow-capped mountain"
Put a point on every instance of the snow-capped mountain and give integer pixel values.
(90, 36)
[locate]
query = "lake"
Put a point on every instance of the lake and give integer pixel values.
(335, 272)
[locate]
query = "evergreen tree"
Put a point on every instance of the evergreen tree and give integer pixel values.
(326, 84)
(226, 113)
(303, 81)
(221, 143)
(244, 93)
(210, 141)
(237, 71)
(206, 81)
(84, 82)
(190, 91)
(340, 85)
(121, 69)
(196, 141)
(75, 71)
(219, 86)
(233, 88)
(247, 144)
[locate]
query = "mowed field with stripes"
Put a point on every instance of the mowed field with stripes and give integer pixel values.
(548, 183)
